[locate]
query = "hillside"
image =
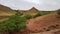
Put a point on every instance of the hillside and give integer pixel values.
(5, 12)
(4, 8)
(43, 23)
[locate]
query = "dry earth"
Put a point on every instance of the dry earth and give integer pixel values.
(56, 31)
(42, 23)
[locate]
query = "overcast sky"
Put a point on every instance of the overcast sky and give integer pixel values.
(27, 4)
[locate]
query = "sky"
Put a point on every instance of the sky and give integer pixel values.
(27, 4)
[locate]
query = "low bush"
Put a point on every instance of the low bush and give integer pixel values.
(28, 16)
(37, 15)
(58, 12)
(15, 22)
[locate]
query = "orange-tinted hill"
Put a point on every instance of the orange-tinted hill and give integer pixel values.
(40, 23)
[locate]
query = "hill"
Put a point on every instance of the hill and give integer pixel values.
(5, 12)
(31, 11)
(34, 11)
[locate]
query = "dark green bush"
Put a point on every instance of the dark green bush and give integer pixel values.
(58, 12)
(28, 16)
(37, 15)
(15, 22)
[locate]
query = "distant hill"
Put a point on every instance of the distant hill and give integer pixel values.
(5, 11)
(33, 10)
(4, 8)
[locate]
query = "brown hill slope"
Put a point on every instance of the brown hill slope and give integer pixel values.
(5, 11)
(4, 8)
(31, 11)
(42, 23)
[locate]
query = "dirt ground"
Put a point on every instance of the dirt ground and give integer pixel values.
(56, 31)
(42, 23)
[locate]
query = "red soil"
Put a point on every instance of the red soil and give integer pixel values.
(38, 24)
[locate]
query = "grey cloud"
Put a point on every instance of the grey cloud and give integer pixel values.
(21, 4)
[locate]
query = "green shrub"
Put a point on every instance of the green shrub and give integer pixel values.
(28, 16)
(15, 22)
(37, 15)
(58, 12)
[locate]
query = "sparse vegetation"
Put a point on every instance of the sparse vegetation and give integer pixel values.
(28, 16)
(37, 15)
(58, 12)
